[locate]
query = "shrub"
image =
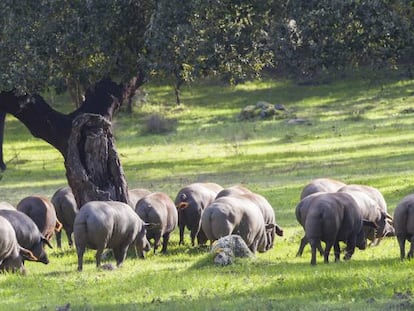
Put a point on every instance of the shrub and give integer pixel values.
(158, 124)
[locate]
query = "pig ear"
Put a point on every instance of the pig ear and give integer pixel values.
(46, 241)
(58, 226)
(182, 205)
(28, 254)
(279, 230)
(369, 224)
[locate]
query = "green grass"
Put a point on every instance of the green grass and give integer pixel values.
(359, 130)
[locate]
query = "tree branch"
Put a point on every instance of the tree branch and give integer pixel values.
(54, 127)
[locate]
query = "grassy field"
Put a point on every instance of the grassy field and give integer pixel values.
(358, 130)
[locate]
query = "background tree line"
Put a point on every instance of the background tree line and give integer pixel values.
(69, 45)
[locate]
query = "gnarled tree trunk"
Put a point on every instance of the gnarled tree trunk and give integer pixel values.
(93, 169)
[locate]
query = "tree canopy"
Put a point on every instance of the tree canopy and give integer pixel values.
(334, 35)
(73, 44)
(70, 43)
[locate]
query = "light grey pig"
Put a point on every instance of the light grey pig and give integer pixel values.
(108, 224)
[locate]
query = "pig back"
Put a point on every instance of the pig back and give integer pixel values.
(158, 208)
(101, 224)
(136, 194)
(324, 217)
(65, 206)
(235, 215)
(321, 185)
(404, 217)
(41, 211)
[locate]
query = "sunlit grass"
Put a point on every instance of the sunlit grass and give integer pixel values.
(359, 131)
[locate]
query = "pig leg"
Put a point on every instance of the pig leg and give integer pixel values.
(98, 255)
(201, 237)
(193, 235)
(401, 243)
(314, 246)
(350, 247)
(141, 245)
(80, 250)
(328, 247)
(337, 251)
(411, 251)
(182, 228)
(157, 241)
(313, 259)
(69, 235)
(59, 239)
(165, 239)
(302, 245)
(120, 255)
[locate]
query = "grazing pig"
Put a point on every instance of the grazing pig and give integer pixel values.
(334, 217)
(404, 224)
(108, 224)
(42, 211)
(301, 212)
(11, 253)
(66, 209)
(190, 202)
(370, 210)
(264, 206)
(272, 228)
(135, 195)
(158, 210)
(377, 196)
(374, 193)
(27, 234)
(235, 215)
(321, 185)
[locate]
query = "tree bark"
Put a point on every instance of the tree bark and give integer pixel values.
(41, 120)
(83, 137)
(177, 89)
(93, 169)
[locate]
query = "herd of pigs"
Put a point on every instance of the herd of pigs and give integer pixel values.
(329, 211)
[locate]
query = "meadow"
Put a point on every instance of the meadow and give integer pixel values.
(357, 129)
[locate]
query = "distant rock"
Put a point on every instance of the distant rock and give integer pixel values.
(248, 112)
(263, 105)
(280, 107)
(263, 110)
